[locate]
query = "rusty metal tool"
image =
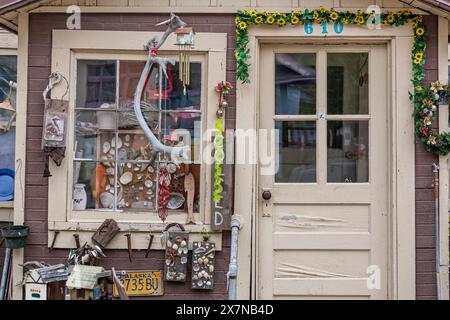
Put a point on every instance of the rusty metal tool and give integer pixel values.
(128, 235)
(149, 245)
(55, 235)
(77, 240)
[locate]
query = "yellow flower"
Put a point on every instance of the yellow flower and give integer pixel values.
(259, 20)
(270, 19)
(420, 31)
(323, 9)
(359, 20)
(345, 21)
(253, 13)
(418, 88)
(419, 18)
(417, 61)
(236, 54)
(242, 25)
(281, 22)
(418, 55)
(295, 20)
(315, 14)
(237, 20)
(390, 18)
(334, 15)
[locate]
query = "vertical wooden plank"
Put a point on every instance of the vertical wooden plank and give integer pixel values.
(21, 130)
(443, 161)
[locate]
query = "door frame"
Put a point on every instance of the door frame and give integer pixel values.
(401, 195)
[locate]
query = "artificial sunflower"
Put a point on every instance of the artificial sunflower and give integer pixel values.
(390, 18)
(417, 61)
(418, 55)
(253, 13)
(323, 9)
(315, 15)
(281, 22)
(237, 20)
(359, 20)
(334, 15)
(295, 20)
(259, 20)
(242, 25)
(345, 21)
(420, 31)
(270, 20)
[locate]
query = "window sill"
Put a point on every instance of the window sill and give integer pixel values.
(6, 211)
(140, 234)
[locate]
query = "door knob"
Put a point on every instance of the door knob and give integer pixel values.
(266, 195)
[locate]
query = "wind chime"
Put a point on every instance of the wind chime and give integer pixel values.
(185, 40)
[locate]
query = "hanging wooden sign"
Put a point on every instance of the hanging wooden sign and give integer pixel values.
(176, 257)
(203, 255)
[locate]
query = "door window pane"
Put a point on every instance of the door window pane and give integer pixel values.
(296, 147)
(348, 83)
(295, 83)
(348, 151)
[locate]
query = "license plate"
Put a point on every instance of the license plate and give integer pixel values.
(140, 283)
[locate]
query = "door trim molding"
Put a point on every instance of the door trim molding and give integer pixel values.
(401, 229)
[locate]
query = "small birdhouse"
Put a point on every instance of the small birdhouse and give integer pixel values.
(185, 36)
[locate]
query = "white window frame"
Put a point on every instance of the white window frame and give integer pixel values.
(67, 47)
(7, 207)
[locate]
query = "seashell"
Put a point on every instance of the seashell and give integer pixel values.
(168, 262)
(111, 180)
(183, 260)
(208, 283)
(196, 267)
(205, 260)
(194, 277)
(200, 260)
(139, 176)
(211, 268)
(148, 183)
(175, 246)
(150, 169)
(171, 167)
(119, 143)
(126, 178)
(176, 200)
(107, 200)
(122, 154)
(169, 244)
(141, 188)
(126, 144)
(107, 187)
(185, 250)
(129, 165)
(110, 171)
(106, 147)
(183, 243)
(127, 138)
(136, 169)
(200, 283)
(210, 256)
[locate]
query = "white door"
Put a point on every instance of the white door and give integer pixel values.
(322, 229)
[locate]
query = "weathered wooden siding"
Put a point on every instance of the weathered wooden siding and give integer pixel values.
(36, 187)
(425, 214)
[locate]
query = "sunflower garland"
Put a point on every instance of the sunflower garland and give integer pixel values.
(424, 97)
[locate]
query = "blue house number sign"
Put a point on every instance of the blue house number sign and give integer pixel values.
(338, 27)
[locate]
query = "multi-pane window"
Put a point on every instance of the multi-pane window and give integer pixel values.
(8, 72)
(114, 162)
(337, 127)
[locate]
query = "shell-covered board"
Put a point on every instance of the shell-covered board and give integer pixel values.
(176, 257)
(203, 255)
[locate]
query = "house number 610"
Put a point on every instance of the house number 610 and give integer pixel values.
(338, 27)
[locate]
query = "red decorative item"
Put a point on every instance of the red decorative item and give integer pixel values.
(163, 195)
